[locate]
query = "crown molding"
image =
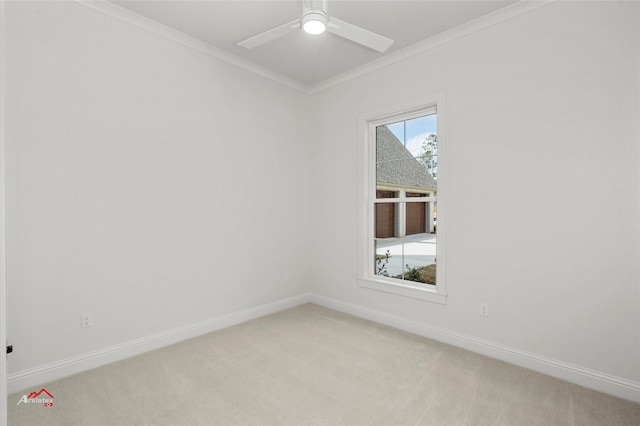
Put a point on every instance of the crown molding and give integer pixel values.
(107, 8)
(479, 24)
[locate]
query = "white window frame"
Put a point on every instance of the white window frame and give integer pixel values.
(367, 123)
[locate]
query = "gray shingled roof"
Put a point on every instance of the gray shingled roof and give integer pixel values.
(395, 164)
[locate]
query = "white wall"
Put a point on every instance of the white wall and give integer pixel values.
(147, 183)
(542, 121)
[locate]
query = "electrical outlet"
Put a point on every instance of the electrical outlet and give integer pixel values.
(484, 309)
(86, 320)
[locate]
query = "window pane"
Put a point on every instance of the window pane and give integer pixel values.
(385, 219)
(399, 175)
(410, 258)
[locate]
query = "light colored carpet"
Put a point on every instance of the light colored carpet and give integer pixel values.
(314, 366)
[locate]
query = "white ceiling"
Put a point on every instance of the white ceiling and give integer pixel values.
(311, 60)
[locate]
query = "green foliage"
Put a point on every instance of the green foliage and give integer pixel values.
(381, 264)
(422, 274)
(429, 157)
(412, 274)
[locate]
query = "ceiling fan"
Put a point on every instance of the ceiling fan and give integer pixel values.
(315, 20)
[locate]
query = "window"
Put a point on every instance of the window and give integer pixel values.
(402, 236)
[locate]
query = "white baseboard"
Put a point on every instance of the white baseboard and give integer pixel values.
(602, 382)
(27, 379)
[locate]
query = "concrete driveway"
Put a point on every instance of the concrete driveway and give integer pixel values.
(414, 250)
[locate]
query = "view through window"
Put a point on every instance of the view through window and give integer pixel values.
(405, 203)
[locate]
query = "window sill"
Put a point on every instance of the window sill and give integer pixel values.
(407, 290)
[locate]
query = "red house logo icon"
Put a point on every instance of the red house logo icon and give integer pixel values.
(37, 394)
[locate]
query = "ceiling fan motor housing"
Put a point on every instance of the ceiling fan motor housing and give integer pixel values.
(314, 21)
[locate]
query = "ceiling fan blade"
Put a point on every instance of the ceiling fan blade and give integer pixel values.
(271, 34)
(359, 35)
